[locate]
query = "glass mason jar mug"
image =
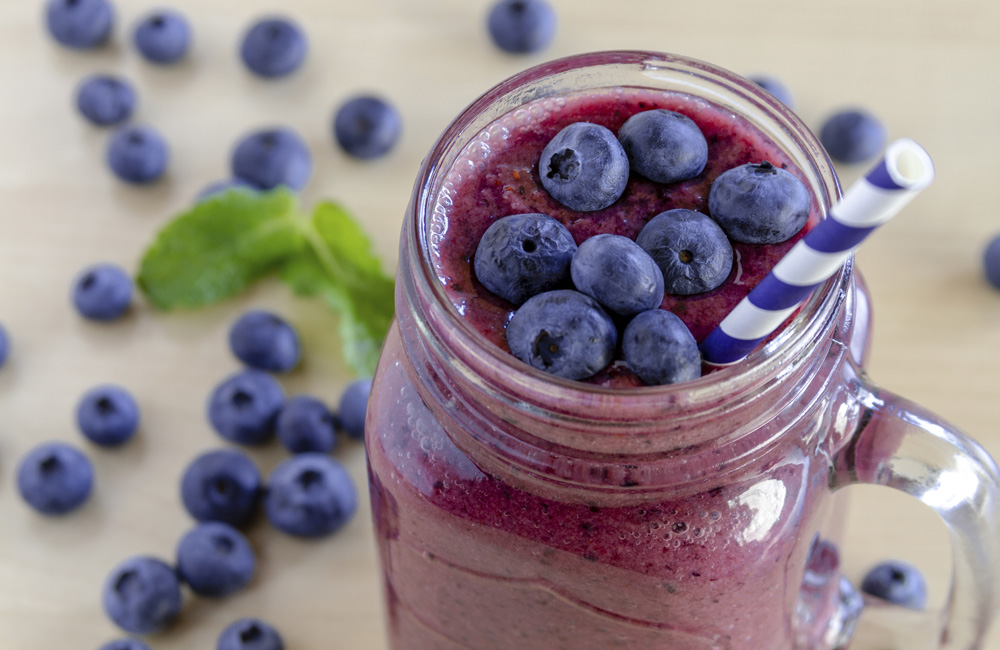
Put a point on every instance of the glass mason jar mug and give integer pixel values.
(514, 509)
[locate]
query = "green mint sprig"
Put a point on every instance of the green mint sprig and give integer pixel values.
(223, 244)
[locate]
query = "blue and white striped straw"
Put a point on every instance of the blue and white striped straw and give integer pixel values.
(903, 171)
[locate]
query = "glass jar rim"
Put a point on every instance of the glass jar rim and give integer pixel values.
(816, 317)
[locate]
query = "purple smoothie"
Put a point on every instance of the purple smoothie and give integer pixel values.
(497, 175)
(475, 557)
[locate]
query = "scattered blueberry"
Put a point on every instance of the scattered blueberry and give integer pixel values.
(264, 341)
(80, 24)
(690, 249)
(367, 127)
(522, 255)
(223, 186)
(659, 348)
(852, 136)
(250, 634)
(306, 424)
(522, 26)
(163, 36)
(244, 406)
(664, 146)
(102, 292)
(105, 99)
(274, 47)
(107, 415)
(584, 167)
(125, 644)
(897, 582)
(991, 264)
(564, 333)
(309, 495)
(354, 406)
(142, 595)
(759, 204)
(272, 157)
(55, 478)
(215, 559)
(137, 154)
(775, 86)
(4, 346)
(221, 485)
(617, 273)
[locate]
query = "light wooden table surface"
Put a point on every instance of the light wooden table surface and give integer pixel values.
(928, 69)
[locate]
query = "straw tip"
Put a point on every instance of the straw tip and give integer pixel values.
(908, 164)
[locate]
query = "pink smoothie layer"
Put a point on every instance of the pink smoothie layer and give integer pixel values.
(497, 175)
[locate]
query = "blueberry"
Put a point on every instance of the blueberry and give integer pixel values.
(250, 634)
(79, 24)
(125, 644)
(759, 204)
(4, 346)
(142, 595)
(223, 186)
(522, 26)
(163, 36)
(264, 341)
(102, 292)
(354, 406)
(584, 167)
(215, 559)
(524, 254)
(244, 406)
(690, 249)
(897, 582)
(309, 495)
(660, 349)
(852, 136)
(664, 146)
(617, 273)
(564, 333)
(105, 99)
(366, 126)
(306, 424)
(775, 86)
(137, 154)
(273, 47)
(221, 485)
(991, 264)
(55, 478)
(272, 157)
(107, 415)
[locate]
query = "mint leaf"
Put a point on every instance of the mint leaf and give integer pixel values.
(342, 269)
(219, 246)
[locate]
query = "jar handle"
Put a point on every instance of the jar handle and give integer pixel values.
(898, 444)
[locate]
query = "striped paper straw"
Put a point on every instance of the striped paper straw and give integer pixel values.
(903, 171)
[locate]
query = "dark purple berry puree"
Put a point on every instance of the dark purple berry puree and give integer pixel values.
(480, 558)
(497, 175)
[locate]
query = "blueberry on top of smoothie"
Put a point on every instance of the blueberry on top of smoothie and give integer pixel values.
(522, 255)
(660, 349)
(691, 250)
(852, 136)
(759, 203)
(617, 273)
(664, 146)
(584, 167)
(522, 26)
(564, 333)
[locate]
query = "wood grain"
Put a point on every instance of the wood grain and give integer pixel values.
(926, 68)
